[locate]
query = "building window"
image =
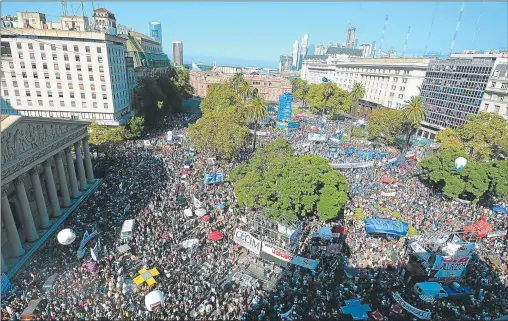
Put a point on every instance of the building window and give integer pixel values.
(69, 77)
(87, 48)
(99, 50)
(105, 105)
(57, 75)
(402, 88)
(390, 103)
(66, 57)
(18, 102)
(70, 86)
(16, 92)
(64, 47)
(394, 87)
(90, 77)
(395, 79)
(401, 96)
(30, 46)
(60, 94)
(504, 85)
(76, 57)
(81, 86)
(94, 104)
(67, 67)
(29, 102)
(73, 103)
(493, 85)
(104, 96)
(27, 93)
(78, 67)
(50, 93)
(398, 105)
(20, 55)
(486, 107)
(94, 96)
(39, 94)
(56, 67)
(496, 73)
(48, 85)
(76, 49)
(55, 57)
(71, 94)
(496, 109)
(99, 59)
(92, 87)
(88, 58)
(43, 56)
(80, 77)
(39, 102)
(18, 45)
(90, 68)
(82, 95)
(62, 103)
(392, 94)
(83, 104)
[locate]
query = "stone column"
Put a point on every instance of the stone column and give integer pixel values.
(64, 190)
(81, 168)
(72, 173)
(39, 197)
(28, 219)
(88, 161)
(4, 266)
(10, 225)
(51, 188)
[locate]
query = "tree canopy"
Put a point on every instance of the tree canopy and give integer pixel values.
(134, 128)
(329, 99)
(300, 89)
(385, 124)
(483, 137)
(219, 96)
(289, 185)
(476, 180)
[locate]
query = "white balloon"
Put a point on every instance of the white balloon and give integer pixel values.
(460, 162)
(153, 299)
(66, 237)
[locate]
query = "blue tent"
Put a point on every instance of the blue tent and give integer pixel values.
(385, 226)
(500, 209)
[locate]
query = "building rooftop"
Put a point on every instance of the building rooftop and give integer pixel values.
(344, 51)
(6, 32)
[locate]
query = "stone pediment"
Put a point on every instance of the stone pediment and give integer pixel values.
(27, 141)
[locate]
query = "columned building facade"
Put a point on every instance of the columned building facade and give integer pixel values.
(46, 167)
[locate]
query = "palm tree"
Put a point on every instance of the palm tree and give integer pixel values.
(328, 91)
(236, 81)
(244, 90)
(413, 115)
(357, 92)
(256, 111)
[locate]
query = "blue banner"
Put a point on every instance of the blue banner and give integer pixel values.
(285, 110)
(325, 233)
(6, 284)
(386, 226)
(214, 178)
(305, 262)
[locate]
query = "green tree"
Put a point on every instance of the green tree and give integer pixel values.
(256, 112)
(439, 171)
(181, 79)
(476, 179)
(236, 82)
(245, 91)
(102, 137)
(328, 98)
(413, 115)
(498, 174)
(135, 127)
(384, 125)
(357, 92)
(300, 90)
(485, 136)
(288, 185)
(449, 138)
(219, 96)
(222, 132)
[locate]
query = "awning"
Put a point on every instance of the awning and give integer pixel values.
(385, 226)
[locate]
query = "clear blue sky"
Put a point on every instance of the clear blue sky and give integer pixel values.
(262, 31)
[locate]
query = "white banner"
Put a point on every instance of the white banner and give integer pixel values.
(388, 194)
(353, 165)
(497, 233)
(189, 243)
(317, 137)
(420, 251)
(170, 135)
(197, 203)
(146, 143)
(278, 253)
(248, 241)
(420, 314)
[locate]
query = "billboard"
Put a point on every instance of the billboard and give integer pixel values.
(449, 267)
(248, 241)
(274, 252)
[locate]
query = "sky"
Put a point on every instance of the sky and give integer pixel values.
(257, 33)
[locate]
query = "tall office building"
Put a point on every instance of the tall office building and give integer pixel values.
(463, 85)
(366, 50)
(311, 49)
(178, 53)
(320, 49)
(285, 63)
(296, 54)
(156, 31)
(303, 51)
(350, 39)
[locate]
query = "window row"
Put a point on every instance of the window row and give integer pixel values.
(43, 46)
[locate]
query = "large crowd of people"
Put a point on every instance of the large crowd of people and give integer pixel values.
(145, 184)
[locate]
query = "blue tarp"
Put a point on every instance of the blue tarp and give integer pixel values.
(499, 209)
(386, 226)
(357, 310)
(304, 262)
(325, 233)
(6, 284)
(293, 124)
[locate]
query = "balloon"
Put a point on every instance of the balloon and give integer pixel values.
(460, 162)
(66, 237)
(153, 300)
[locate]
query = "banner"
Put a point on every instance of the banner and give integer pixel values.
(248, 241)
(6, 284)
(353, 165)
(146, 143)
(197, 203)
(305, 262)
(325, 233)
(497, 233)
(212, 178)
(420, 314)
(170, 136)
(388, 194)
(420, 252)
(448, 267)
(278, 253)
(94, 252)
(317, 137)
(189, 243)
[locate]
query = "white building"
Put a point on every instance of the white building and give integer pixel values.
(366, 50)
(320, 49)
(64, 74)
(388, 82)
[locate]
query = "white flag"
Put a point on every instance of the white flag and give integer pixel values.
(95, 251)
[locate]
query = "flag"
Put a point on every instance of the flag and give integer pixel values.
(95, 251)
(84, 240)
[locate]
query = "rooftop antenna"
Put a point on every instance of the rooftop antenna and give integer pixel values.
(478, 22)
(405, 43)
(383, 34)
(64, 7)
(457, 28)
(430, 29)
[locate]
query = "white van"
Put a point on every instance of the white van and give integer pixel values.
(430, 289)
(127, 229)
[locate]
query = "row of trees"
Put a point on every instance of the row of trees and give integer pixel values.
(227, 110)
(288, 185)
(162, 95)
(102, 136)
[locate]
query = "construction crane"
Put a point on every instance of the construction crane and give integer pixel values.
(430, 29)
(383, 34)
(457, 28)
(64, 7)
(405, 43)
(478, 22)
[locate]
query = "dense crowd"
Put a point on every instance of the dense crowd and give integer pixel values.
(144, 183)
